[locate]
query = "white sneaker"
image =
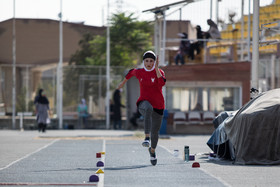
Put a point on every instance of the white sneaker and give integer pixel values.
(153, 157)
(146, 143)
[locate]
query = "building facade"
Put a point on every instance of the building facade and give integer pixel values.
(37, 50)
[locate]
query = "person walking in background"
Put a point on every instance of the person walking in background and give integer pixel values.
(83, 113)
(111, 110)
(42, 110)
(133, 120)
(151, 101)
(117, 109)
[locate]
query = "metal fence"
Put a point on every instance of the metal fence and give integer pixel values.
(269, 77)
(88, 82)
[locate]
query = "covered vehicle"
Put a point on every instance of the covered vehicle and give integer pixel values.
(254, 130)
(219, 141)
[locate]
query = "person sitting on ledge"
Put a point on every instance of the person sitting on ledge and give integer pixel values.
(183, 49)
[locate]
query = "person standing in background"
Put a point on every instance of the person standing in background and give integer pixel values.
(83, 114)
(42, 110)
(111, 110)
(117, 109)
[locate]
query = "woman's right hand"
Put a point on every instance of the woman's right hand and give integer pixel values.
(122, 83)
(120, 86)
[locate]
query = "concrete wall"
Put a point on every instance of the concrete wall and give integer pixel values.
(37, 40)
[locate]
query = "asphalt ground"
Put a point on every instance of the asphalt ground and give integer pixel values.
(68, 158)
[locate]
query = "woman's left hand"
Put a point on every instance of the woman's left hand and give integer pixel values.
(157, 61)
(157, 69)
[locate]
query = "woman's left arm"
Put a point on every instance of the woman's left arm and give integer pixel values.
(157, 69)
(160, 74)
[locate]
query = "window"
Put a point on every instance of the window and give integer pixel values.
(211, 98)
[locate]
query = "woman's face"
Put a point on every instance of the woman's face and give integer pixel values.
(149, 63)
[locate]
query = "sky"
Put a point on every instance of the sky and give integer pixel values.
(94, 12)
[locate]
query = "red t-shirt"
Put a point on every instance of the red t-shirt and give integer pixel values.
(150, 86)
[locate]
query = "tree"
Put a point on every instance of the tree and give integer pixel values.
(129, 38)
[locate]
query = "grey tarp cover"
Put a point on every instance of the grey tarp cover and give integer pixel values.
(255, 130)
(219, 142)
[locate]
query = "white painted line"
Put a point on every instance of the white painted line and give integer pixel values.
(44, 184)
(218, 178)
(29, 154)
(178, 157)
(166, 149)
(101, 176)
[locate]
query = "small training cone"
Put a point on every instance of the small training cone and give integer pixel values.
(98, 155)
(99, 171)
(99, 164)
(191, 157)
(195, 165)
(103, 153)
(93, 178)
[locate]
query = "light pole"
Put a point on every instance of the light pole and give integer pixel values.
(14, 69)
(255, 58)
(211, 4)
(162, 60)
(242, 30)
(217, 11)
(59, 91)
(249, 32)
(108, 70)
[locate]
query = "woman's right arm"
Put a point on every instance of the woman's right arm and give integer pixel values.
(131, 73)
(122, 83)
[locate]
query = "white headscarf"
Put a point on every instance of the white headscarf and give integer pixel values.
(154, 61)
(150, 69)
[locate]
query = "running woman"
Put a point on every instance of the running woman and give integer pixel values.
(151, 101)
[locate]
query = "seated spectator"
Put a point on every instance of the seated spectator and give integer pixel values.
(213, 31)
(196, 46)
(183, 49)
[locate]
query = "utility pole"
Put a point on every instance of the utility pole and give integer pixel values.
(59, 91)
(14, 69)
(217, 11)
(249, 31)
(255, 59)
(211, 6)
(162, 60)
(242, 30)
(108, 69)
